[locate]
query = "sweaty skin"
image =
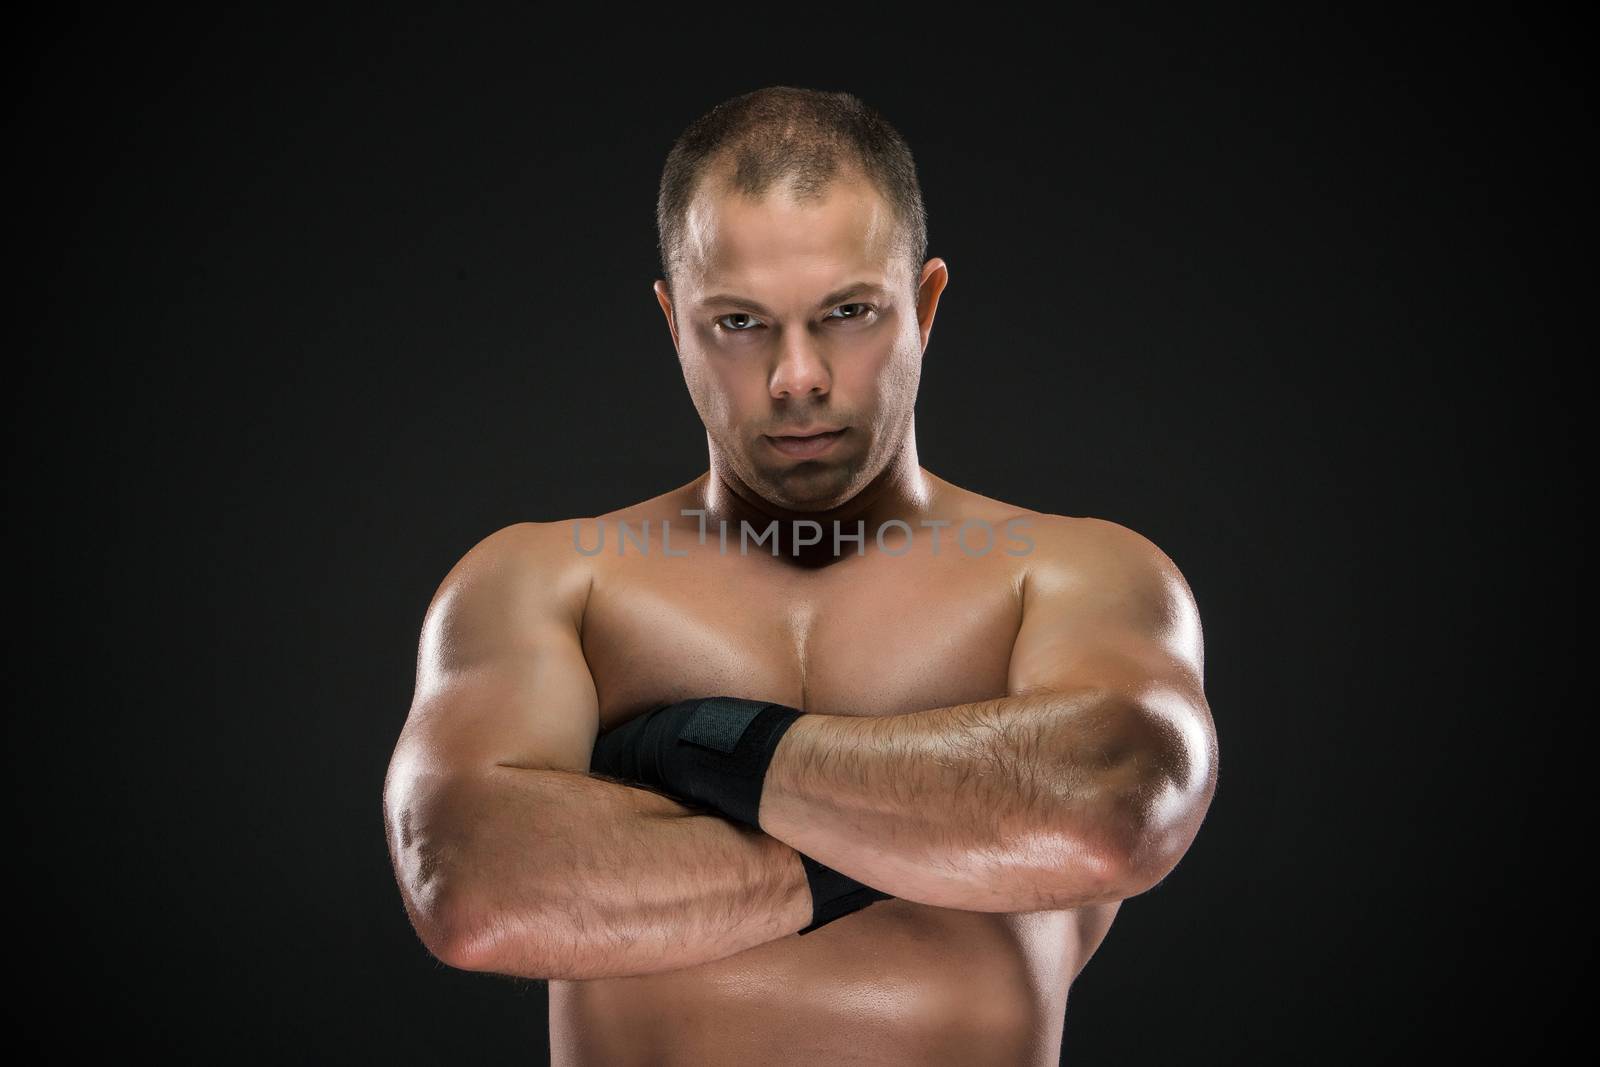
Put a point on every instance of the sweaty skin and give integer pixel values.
(897, 982)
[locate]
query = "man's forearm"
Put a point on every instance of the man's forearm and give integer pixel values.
(565, 875)
(1015, 804)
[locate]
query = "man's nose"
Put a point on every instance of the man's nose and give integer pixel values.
(800, 371)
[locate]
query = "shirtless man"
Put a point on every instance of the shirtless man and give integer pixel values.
(1004, 730)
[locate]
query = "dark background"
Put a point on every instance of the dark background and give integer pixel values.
(306, 308)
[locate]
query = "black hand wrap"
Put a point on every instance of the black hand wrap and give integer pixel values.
(834, 895)
(712, 751)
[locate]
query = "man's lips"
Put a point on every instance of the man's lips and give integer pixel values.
(806, 445)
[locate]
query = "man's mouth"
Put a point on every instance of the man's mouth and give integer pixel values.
(806, 446)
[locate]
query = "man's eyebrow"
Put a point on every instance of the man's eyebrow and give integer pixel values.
(854, 289)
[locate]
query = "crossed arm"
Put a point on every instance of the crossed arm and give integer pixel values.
(1085, 784)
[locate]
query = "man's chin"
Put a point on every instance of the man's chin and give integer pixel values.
(801, 490)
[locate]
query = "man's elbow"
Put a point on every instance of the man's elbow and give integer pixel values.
(1161, 789)
(1161, 821)
(450, 926)
(474, 934)
(1146, 866)
(446, 929)
(432, 860)
(454, 941)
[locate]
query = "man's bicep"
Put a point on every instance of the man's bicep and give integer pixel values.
(1103, 608)
(501, 676)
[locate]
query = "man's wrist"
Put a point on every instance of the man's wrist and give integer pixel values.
(834, 894)
(711, 751)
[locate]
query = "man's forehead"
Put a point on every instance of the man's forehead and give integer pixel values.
(734, 240)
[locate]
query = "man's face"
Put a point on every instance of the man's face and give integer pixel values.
(790, 318)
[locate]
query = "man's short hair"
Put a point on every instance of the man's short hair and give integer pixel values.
(803, 136)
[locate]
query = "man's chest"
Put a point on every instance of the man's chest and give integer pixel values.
(870, 636)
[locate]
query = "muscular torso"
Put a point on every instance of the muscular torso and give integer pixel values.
(897, 982)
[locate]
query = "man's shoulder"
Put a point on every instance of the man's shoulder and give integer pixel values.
(1060, 538)
(530, 543)
(1085, 539)
(523, 562)
(1097, 563)
(1079, 542)
(1081, 549)
(543, 543)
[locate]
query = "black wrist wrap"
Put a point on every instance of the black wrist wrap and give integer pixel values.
(834, 895)
(732, 744)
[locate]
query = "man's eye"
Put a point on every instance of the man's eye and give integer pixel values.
(859, 314)
(737, 315)
(750, 322)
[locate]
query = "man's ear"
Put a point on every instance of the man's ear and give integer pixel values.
(665, 300)
(935, 276)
